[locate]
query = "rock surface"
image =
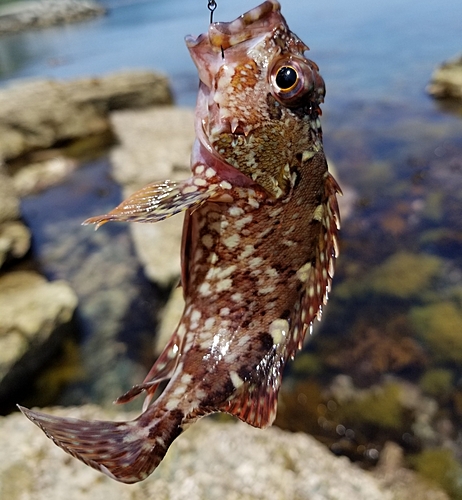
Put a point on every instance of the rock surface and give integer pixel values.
(155, 145)
(38, 114)
(14, 235)
(229, 461)
(446, 81)
(40, 14)
(33, 315)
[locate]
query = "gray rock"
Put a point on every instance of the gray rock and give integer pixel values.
(40, 14)
(9, 201)
(38, 114)
(155, 145)
(227, 461)
(446, 81)
(36, 177)
(33, 315)
(14, 235)
(14, 241)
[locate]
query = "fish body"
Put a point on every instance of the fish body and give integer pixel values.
(258, 251)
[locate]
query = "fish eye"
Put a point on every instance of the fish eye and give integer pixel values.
(286, 78)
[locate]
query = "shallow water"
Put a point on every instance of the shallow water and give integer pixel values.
(395, 150)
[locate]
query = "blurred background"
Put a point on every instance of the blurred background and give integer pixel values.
(385, 363)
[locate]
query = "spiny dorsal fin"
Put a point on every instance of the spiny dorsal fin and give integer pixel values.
(317, 275)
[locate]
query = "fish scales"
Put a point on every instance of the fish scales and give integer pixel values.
(258, 247)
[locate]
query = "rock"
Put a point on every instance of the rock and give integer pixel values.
(403, 483)
(33, 315)
(9, 201)
(36, 177)
(40, 14)
(38, 114)
(14, 236)
(211, 460)
(14, 241)
(155, 145)
(446, 81)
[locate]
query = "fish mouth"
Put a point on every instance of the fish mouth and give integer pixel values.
(256, 21)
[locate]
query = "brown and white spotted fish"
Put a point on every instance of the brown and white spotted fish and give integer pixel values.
(258, 252)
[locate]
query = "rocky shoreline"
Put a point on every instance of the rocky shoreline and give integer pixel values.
(34, 14)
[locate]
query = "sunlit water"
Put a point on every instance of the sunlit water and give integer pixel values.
(392, 146)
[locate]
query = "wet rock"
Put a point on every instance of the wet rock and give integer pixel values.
(155, 145)
(38, 114)
(211, 460)
(446, 81)
(34, 314)
(40, 14)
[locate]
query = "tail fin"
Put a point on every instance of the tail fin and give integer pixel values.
(126, 451)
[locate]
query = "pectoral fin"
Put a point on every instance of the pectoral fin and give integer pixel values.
(158, 201)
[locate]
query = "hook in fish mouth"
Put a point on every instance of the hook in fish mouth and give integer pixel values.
(223, 35)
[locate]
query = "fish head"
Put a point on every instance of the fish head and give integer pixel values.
(259, 96)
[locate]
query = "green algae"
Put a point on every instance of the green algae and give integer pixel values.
(381, 407)
(404, 275)
(437, 382)
(439, 325)
(441, 467)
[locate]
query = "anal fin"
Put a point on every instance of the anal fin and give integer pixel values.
(255, 401)
(161, 370)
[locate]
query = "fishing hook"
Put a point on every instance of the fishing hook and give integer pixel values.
(212, 5)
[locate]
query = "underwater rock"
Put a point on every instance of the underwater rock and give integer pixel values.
(446, 81)
(34, 315)
(212, 460)
(38, 114)
(20, 16)
(155, 144)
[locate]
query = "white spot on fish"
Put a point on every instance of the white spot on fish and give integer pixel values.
(232, 241)
(304, 272)
(207, 240)
(189, 189)
(210, 172)
(198, 181)
(255, 262)
(248, 251)
(225, 284)
(278, 329)
(236, 297)
(235, 211)
(204, 289)
(209, 323)
(224, 311)
(235, 379)
(226, 185)
(266, 290)
(240, 223)
(318, 213)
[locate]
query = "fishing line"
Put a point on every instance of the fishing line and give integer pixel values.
(212, 5)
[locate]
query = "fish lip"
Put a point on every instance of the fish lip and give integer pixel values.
(222, 35)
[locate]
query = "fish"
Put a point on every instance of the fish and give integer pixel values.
(259, 245)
